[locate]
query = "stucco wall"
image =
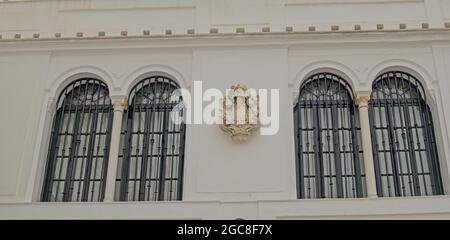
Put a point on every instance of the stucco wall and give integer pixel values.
(113, 16)
(258, 176)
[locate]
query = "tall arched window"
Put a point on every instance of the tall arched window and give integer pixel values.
(404, 144)
(153, 153)
(327, 148)
(79, 145)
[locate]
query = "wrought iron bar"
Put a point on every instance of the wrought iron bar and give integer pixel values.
(327, 139)
(399, 113)
(71, 155)
(153, 146)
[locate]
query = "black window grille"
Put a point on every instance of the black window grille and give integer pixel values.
(327, 144)
(153, 144)
(79, 145)
(404, 144)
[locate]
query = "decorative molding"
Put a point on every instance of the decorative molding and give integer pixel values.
(120, 103)
(130, 79)
(417, 70)
(240, 113)
(58, 83)
(331, 66)
(361, 69)
(223, 39)
(51, 105)
(117, 75)
(362, 99)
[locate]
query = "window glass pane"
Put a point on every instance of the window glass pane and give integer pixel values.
(327, 142)
(79, 144)
(402, 138)
(153, 145)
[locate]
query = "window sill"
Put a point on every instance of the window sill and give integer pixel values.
(379, 208)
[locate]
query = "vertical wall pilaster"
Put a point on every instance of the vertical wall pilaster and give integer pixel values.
(119, 104)
(362, 100)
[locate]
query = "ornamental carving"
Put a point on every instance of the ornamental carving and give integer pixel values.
(240, 112)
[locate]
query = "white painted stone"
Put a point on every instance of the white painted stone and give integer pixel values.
(222, 179)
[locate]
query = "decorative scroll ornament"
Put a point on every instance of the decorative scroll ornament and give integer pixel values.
(240, 112)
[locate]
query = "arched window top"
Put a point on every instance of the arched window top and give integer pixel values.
(153, 144)
(406, 159)
(79, 144)
(325, 86)
(326, 139)
(154, 90)
(397, 85)
(85, 92)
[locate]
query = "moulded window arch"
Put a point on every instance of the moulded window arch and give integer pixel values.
(152, 159)
(79, 143)
(404, 144)
(328, 158)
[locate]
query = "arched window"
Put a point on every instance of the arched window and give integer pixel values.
(79, 145)
(327, 148)
(404, 144)
(153, 149)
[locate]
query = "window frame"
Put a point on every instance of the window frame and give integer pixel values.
(316, 105)
(93, 110)
(409, 131)
(150, 110)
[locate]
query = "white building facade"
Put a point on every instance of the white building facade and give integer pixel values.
(49, 46)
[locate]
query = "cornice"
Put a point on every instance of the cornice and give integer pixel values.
(225, 39)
